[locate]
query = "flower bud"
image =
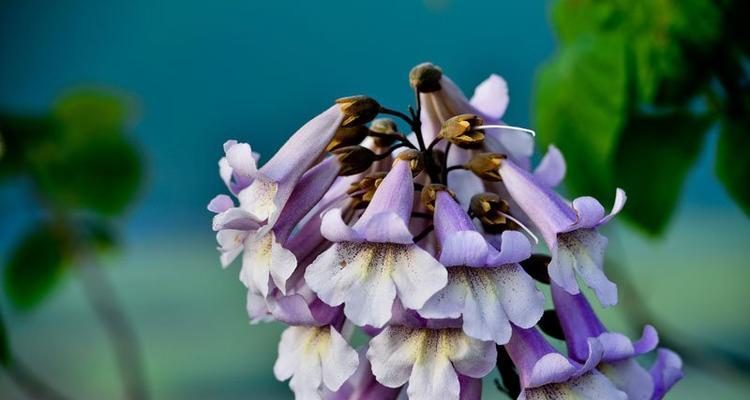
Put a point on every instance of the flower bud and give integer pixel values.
(354, 159)
(460, 130)
(365, 188)
(348, 137)
(384, 131)
(358, 110)
(489, 208)
(485, 166)
(536, 267)
(429, 195)
(425, 77)
(414, 158)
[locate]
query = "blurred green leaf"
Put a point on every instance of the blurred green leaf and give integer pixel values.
(575, 18)
(653, 159)
(99, 234)
(581, 103)
(4, 344)
(102, 174)
(20, 136)
(35, 267)
(87, 113)
(732, 161)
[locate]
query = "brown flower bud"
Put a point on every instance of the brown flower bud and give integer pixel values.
(429, 195)
(485, 166)
(354, 159)
(425, 77)
(414, 158)
(384, 131)
(348, 137)
(460, 130)
(489, 208)
(358, 110)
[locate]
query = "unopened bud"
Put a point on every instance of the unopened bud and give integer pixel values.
(414, 158)
(489, 208)
(358, 110)
(384, 131)
(461, 131)
(348, 137)
(354, 159)
(485, 166)
(429, 195)
(425, 77)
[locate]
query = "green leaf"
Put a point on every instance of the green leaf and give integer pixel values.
(4, 343)
(581, 102)
(35, 267)
(732, 161)
(102, 174)
(652, 162)
(87, 113)
(575, 18)
(21, 135)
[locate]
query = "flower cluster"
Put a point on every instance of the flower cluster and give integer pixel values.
(424, 240)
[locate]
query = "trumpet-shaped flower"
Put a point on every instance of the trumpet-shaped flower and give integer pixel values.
(430, 360)
(372, 262)
(489, 289)
(569, 231)
(580, 324)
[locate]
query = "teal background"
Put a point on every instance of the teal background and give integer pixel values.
(204, 72)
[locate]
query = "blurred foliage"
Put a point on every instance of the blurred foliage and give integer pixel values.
(634, 88)
(85, 172)
(4, 347)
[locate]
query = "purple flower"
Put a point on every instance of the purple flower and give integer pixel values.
(547, 374)
(432, 361)
(489, 289)
(316, 358)
(376, 260)
(274, 182)
(569, 231)
(580, 325)
(363, 385)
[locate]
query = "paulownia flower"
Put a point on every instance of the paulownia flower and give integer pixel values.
(618, 363)
(363, 385)
(548, 375)
(570, 231)
(432, 361)
(274, 182)
(375, 260)
(488, 288)
(265, 257)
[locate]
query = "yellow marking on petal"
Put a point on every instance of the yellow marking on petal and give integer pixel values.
(258, 199)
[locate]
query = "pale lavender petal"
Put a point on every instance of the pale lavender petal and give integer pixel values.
(582, 251)
(471, 357)
(666, 371)
(241, 160)
(589, 386)
(363, 385)
(578, 321)
(629, 377)
(522, 301)
(339, 361)
(418, 277)
(464, 248)
(448, 302)
(450, 218)
(235, 218)
(231, 243)
(514, 248)
(433, 377)
(491, 96)
(620, 198)
(549, 213)
(395, 194)
(588, 213)
(335, 229)
(648, 341)
(257, 308)
(220, 204)
(265, 261)
(386, 227)
(392, 354)
(308, 192)
(551, 170)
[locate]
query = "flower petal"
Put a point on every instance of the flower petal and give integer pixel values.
(666, 371)
(418, 276)
(491, 96)
(620, 198)
(582, 251)
(392, 354)
(590, 386)
(220, 204)
(551, 170)
(433, 377)
(514, 248)
(241, 160)
(339, 361)
(522, 301)
(335, 229)
(386, 227)
(630, 377)
(464, 248)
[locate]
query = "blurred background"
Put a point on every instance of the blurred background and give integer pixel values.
(140, 96)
